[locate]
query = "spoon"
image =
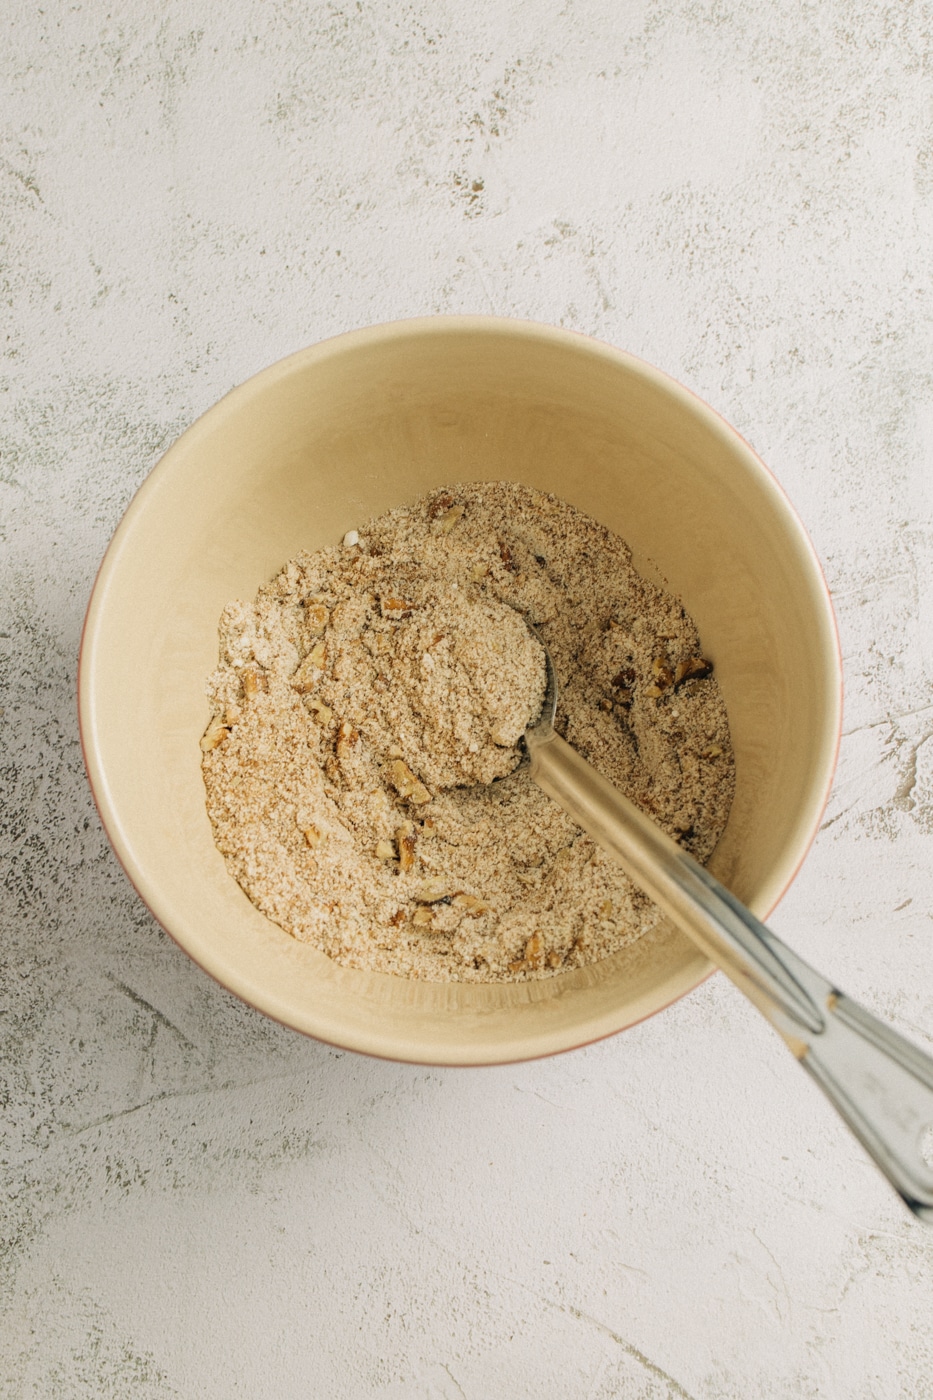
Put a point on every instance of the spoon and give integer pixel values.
(880, 1083)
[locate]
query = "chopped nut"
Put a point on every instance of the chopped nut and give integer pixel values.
(663, 674)
(406, 784)
(405, 836)
(324, 713)
(351, 538)
(428, 827)
(312, 835)
(395, 751)
(533, 951)
(711, 751)
(385, 850)
(469, 904)
(653, 691)
(449, 520)
(625, 680)
(695, 668)
(605, 909)
(231, 714)
(395, 608)
(308, 673)
(531, 958)
(316, 617)
(439, 505)
(606, 706)
(347, 739)
(433, 891)
(215, 733)
(505, 554)
(478, 572)
(422, 917)
(554, 958)
(253, 681)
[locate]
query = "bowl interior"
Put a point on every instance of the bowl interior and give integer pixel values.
(326, 439)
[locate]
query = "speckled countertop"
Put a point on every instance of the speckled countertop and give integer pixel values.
(198, 1203)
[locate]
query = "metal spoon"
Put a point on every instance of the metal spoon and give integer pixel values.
(880, 1083)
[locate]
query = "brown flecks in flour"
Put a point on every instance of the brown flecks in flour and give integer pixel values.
(362, 764)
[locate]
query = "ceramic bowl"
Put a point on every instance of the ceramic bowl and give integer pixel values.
(335, 434)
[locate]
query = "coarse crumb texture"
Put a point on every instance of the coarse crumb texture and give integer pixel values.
(362, 764)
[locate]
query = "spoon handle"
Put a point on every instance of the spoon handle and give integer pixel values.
(880, 1083)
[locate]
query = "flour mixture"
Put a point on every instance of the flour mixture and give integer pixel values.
(363, 764)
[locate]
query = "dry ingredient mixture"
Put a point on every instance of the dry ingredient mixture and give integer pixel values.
(363, 764)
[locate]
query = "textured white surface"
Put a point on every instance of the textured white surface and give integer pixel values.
(198, 1203)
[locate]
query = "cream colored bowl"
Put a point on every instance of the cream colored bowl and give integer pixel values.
(335, 434)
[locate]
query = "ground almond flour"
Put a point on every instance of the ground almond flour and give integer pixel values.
(363, 765)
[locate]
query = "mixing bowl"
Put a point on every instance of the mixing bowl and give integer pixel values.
(333, 435)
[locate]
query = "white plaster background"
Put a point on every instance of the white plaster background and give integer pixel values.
(198, 1203)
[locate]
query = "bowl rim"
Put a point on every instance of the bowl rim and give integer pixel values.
(349, 341)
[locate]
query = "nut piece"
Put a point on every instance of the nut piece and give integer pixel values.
(711, 750)
(532, 956)
(405, 836)
(695, 668)
(351, 538)
(324, 712)
(316, 617)
(439, 505)
(347, 739)
(469, 904)
(433, 891)
(312, 835)
(406, 784)
(385, 850)
(663, 675)
(395, 608)
(624, 683)
(422, 917)
(309, 672)
(450, 518)
(215, 733)
(253, 681)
